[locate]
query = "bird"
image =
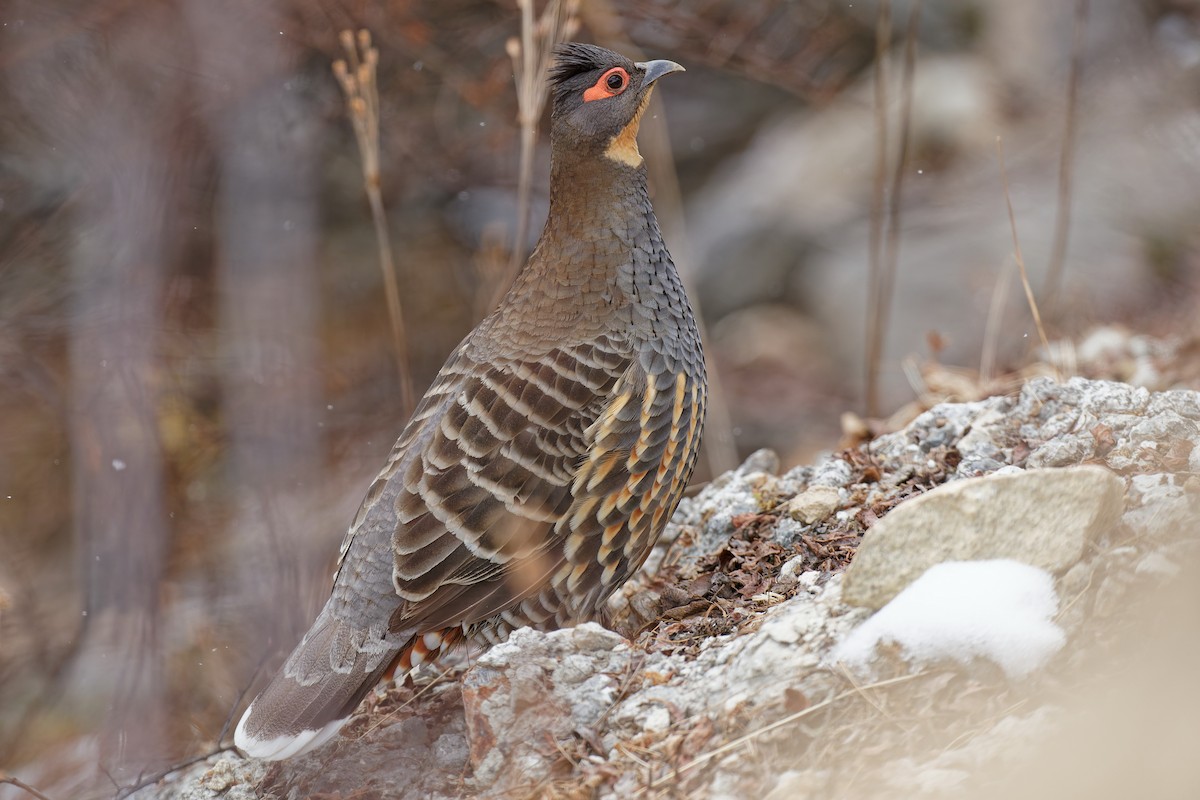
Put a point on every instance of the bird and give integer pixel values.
(549, 452)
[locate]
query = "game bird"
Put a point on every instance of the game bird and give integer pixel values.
(550, 451)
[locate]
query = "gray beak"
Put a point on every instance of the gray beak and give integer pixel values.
(656, 69)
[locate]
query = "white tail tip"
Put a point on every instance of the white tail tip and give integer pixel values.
(286, 745)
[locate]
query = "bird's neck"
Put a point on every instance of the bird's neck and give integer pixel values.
(599, 255)
(600, 223)
(597, 199)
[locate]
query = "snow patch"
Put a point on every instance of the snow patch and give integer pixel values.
(999, 609)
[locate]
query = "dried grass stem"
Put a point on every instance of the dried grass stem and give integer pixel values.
(357, 76)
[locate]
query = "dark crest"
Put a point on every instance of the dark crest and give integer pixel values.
(575, 58)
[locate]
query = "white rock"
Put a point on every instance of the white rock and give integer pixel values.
(790, 571)
(815, 504)
(1104, 343)
(657, 719)
(1039, 517)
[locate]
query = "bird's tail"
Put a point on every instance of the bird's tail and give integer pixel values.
(320, 685)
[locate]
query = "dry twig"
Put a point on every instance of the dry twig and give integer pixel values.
(1012, 221)
(991, 328)
(1062, 222)
(887, 276)
(882, 272)
(357, 77)
(883, 35)
(532, 56)
(20, 784)
(143, 782)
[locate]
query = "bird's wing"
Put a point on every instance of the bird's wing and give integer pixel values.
(642, 452)
(480, 507)
(501, 465)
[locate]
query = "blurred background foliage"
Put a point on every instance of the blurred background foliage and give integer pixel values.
(196, 375)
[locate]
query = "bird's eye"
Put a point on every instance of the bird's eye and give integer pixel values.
(610, 84)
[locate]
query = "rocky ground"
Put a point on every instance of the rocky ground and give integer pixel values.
(180, 529)
(722, 682)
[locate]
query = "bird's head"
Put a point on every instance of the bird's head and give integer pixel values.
(598, 100)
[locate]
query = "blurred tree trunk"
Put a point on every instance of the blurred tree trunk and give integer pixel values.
(117, 261)
(267, 138)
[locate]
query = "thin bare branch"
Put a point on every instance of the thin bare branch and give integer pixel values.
(1012, 220)
(883, 36)
(528, 108)
(532, 55)
(1062, 222)
(357, 76)
(883, 270)
(993, 326)
(891, 257)
(20, 784)
(142, 783)
(241, 695)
